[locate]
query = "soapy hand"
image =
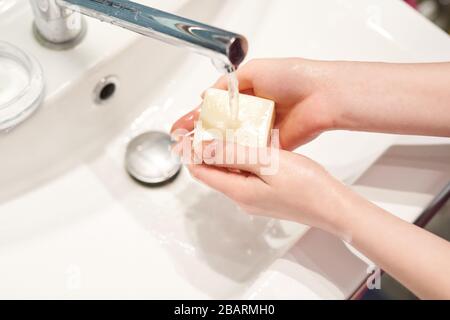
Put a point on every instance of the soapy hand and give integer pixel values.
(277, 183)
(297, 88)
(315, 96)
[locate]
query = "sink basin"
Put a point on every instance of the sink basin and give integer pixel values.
(217, 251)
(73, 224)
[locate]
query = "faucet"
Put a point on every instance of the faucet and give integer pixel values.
(59, 24)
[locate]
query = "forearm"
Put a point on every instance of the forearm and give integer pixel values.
(391, 98)
(415, 257)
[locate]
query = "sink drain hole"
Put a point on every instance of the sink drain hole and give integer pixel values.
(105, 89)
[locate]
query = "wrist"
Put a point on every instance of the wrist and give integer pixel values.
(331, 209)
(347, 89)
(341, 210)
(330, 94)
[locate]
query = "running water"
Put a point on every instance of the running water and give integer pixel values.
(233, 92)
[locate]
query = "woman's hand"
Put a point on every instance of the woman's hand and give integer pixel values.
(275, 183)
(315, 96)
(299, 89)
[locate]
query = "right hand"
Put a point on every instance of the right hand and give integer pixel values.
(297, 87)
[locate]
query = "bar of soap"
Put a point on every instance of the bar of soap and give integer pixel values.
(253, 128)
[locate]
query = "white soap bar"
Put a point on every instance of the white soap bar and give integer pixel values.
(253, 128)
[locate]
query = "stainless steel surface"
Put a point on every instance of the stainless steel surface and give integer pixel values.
(149, 158)
(55, 26)
(57, 22)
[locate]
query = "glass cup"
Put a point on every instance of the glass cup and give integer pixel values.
(21, 85)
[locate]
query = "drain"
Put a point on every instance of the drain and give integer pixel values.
(150, 160)
(105, 89)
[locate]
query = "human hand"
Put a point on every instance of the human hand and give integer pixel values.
(278, 184)
(298, 88)
(315, 96)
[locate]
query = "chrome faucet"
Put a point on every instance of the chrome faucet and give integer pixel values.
(59, 24)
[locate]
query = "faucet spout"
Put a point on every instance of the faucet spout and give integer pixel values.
(58, 21)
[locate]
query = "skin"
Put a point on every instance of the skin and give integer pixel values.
(312, 97)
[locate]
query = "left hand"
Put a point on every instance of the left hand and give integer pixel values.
(280, 184)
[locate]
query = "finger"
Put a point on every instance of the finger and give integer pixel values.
(223, 85)
(245, 83)
(237, 157)
(229, 183)
(186, 122)
(249, 92)
(245, 75)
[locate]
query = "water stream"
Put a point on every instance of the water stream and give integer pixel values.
(233, 92)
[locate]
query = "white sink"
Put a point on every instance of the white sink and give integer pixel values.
(73, 224)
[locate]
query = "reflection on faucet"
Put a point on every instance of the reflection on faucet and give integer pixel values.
(55, 25)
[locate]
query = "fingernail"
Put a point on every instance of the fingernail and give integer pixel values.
(208, 151)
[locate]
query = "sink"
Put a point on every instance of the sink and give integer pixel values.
(74, 138)
(73, 224)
